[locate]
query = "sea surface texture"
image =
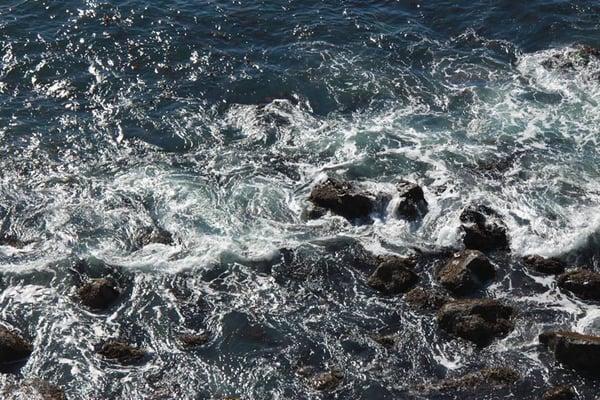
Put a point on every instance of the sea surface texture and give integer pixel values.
(172, 146)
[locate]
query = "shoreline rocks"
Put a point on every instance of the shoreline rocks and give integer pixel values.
(548, 266)
(327, 381)
(13, 347)
(98, 293)
(466, 272)
(412, 204)
(575, 350)
(342, 198)
(483, 229)
(189, 341)
(394, 276)
(477, 320)
(426, 299)
(121, 352)
(559, 393)
(583, 283)
(488, 378)
(33, 389)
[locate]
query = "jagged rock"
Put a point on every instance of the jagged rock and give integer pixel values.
(193, 340)
(425, 299)
(559, 393)
(477, 320)
(412, 203)
(13, 347)
(327, 381)
(488, 378)
(342, 198)
(581, 282)
(551, 266)
(154, 234)
(575, 350)
(393, 277)
(121, 352)
(98, 293)
(34, 389)
(466, 272)
(572, 59)
(483, 229)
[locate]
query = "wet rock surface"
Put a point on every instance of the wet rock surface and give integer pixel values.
(343, 198)
(393, 277)
(98, 293)
(153, 235)
(412, 203)
(582, 283)
(466, 272)
(483, 229)
(13, 347)
(575, 350)
(579, 57)
(426, 298)
(327, 381)
(549, 266)
(487, 378)
(559, 393)
(33, 389)
(121, 352)
(477, 320)
(190, 340)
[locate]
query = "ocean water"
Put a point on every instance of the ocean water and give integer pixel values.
(213, 119)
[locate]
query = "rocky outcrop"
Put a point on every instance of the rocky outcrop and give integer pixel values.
(425, 299)
(33, 389)
(327, 381)
(343, 198)
(487, 378)
(559, 393)
(575, 350)
(569, 60)
(153, 235)
(394, 276)
(13, 347)
(412, 203)
(466, 272)
(483, 229)
(121, 352)
(477, 320)
(548, 266)
(98, 293)
(189, 341)
(582, 283)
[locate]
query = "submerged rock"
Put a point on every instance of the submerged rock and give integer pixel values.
(483, 229)
(327, 381)
(154, 234)
(98, 293)
(477, 320)
(13, 347)
(342, 198)
(550, 266)
(581, 282)
(575, 350)
(426, 299)
(34, 389)
(572, 59)
(12, 241)
(393, 277)
(488, 378)
(121, 352)
(559, 393)
(412, 202)
(466, 272)
(193, 340)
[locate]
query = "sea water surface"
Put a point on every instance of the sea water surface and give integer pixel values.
(212, 120)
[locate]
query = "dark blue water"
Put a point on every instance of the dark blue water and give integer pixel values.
(213, 119)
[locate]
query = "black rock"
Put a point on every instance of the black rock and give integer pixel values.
(550, 266)
(12, 241)
(343, 198)
(313, 212)
(193, 340)
(477, 320)
(327, 381)
(426, 299)
(121, 352)
(575, 350)
(466, 272)
(581, 282)
(483, 229)
(559, 393)
(393, 277)
(13, 347)
(154, 234)
(487, 378)
(98, 293)
(412, 202)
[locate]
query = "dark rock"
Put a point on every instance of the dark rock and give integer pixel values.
(12, 241)
(575, 350)
(425, 299)
(121, 352)
(154, 234)
(193, 340)
(572, 59)
(488, 378)
(342, 198)
(393, 277)
(550, 266)
(466, 272)
(483, 229)
(477, 320)
(412, 202)
(34, 389)
(559, 393)
(12, 346)
(98, 293)
(313, 212)
(581, 282)
(327, 380)
(385, 340)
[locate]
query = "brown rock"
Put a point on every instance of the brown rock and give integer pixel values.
(488, 377)
(327, 381)
(13, 347)
(483, 229)
(121, 352)
(342, 198)
(466, 272)
(393, 277)
(34, 389)
(559, 393)
(412, 202)
(425, 299)
(581, 282)
(98, 293)
(193, 340)
(575, 350)
(550, 266)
